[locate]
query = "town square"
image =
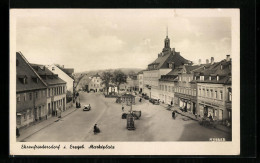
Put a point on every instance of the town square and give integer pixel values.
(92, 76)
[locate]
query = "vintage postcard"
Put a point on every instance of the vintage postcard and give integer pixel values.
(124, 81)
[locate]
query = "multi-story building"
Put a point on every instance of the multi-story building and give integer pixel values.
(132, 83)
(66, 74)
(185, 90)
(56, 92)
(140, 81)
(31, 93)
(167, 60)
(95, 83)
(215, 90)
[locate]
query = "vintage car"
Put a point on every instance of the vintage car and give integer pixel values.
(86, 108)
(146, 97)
(156, 102)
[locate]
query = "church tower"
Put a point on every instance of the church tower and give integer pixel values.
(166, 43)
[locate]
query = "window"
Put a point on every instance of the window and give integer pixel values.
(172, 89)
(40, 92)
(211, 92)
(49, 92)
(165, 88)
(229, 94)
(24, 96)
(207, 93)
(217, 78)
(25, 116)
(221, 95)
(30, 96)
(180, 78)
(189, 79)
(199, 91)
(36, 95)
(202, 78)
(216, 94)
(169, 89)
(18, 98)
(209, 77)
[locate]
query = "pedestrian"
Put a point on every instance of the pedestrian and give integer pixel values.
(173, 114)
(171, 103)
(122, 107)
(17, 132)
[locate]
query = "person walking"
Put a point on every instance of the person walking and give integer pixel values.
(17, 132)
(173, 114)
(122, 107)
(171, 103)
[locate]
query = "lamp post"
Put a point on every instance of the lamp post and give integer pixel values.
(130, 118)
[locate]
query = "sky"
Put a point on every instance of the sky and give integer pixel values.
(94, 39)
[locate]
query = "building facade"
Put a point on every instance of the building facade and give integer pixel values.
(214, 86)
(31, 93)
(56, 91)
(95, 83)
(141, 81)
(66, 74)
(167, 60)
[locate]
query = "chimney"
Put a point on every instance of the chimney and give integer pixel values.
(228, 58)
(199, 61)
(207, 61)
(212, 60)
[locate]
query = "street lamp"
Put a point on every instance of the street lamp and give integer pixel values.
(130, 118)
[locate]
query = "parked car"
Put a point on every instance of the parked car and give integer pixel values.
(86, 108)
(151, 100)
(146, 97)
(156, 102)
(124, 115)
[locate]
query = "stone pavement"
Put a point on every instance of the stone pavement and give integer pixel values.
(27, 132)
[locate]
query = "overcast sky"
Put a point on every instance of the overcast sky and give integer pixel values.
(99, 39)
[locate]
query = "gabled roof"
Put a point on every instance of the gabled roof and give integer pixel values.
(24, 69)
(49, 77)
(68, 71)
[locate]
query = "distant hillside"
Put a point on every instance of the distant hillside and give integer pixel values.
(88, 74)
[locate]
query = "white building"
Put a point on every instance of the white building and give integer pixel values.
(65, 74)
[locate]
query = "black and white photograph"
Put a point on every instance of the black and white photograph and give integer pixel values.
(121, 79)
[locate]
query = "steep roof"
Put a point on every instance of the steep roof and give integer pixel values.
(24, 70)
(221, 69)
(168, 57)
(49, 77)
(68, 71)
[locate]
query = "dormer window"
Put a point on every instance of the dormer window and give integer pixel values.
(209, 77)
(35, 79)
(221, 66)
(202, 78)
(217, 78)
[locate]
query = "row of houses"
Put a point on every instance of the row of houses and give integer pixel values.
(40, 90)
(202, 89)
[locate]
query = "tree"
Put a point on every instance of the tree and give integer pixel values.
(69, 96)
(106, 79)
(118, 78)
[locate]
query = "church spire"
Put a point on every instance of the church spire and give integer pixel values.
(167, 31)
